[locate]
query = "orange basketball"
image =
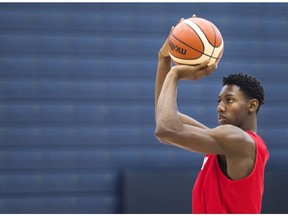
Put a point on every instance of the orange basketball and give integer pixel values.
(194, 41)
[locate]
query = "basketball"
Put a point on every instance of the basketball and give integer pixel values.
(194, 41)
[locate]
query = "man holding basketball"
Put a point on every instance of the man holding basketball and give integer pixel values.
(231, 179)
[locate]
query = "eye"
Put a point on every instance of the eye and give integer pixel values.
(229, 100)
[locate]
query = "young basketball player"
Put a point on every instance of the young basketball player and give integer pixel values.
(231, 179)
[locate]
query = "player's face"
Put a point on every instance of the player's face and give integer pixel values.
(232, 106)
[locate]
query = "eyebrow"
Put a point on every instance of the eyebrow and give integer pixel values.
(228, 95)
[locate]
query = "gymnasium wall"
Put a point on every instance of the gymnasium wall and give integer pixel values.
(77, 104)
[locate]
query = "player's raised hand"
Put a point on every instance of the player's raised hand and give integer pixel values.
(188, 72)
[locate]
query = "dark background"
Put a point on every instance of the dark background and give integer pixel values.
(77, 104)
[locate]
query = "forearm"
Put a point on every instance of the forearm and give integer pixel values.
(169, 121)
(164, 66)
(167, 118)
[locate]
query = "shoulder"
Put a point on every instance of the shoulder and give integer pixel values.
(232, 139)
(261, 145)
(228, 131)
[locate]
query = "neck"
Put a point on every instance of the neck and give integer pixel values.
(250, 125)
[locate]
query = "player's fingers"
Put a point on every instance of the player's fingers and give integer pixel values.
(203, 65)
(204, 72)
(181, 20)
(209, 69)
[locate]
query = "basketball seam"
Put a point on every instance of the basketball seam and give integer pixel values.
(210, 56)
(214, 41)
(203, 53)
(187, 44)
(192, 47)
(204, 32)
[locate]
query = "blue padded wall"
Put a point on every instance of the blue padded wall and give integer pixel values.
(77, 96)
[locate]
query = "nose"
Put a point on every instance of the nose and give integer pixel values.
(220, 108)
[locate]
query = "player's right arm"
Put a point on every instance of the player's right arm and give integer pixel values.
(164, 66)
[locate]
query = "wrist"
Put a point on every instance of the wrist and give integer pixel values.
(164, 61)
(175, 73)
(163, 54)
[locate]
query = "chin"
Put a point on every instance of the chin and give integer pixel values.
(221, 122)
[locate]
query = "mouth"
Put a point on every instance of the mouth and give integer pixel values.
(221, 118)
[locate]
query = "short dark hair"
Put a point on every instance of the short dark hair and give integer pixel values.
(248, 84)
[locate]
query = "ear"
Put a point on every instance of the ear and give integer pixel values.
(253, 105)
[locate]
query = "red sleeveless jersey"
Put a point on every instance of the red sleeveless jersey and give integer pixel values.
(213, 192)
